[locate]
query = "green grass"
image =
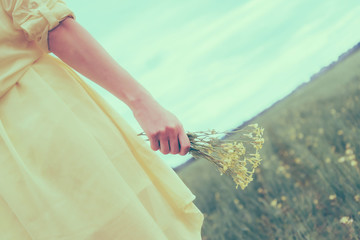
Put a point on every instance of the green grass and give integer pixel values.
(305, 136)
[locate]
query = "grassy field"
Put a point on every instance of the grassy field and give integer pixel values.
(308, 185)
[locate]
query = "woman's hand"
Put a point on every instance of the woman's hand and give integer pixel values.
(164, 130)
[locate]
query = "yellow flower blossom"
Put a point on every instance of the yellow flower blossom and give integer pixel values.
(349, 151)
(297, 160)
(346, 220)
(332, 196)
(255, 125)
(249, 135)
(238, 204)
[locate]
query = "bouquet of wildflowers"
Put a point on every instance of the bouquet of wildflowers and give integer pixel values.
(237, 158)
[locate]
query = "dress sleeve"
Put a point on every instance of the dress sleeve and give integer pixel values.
(37, 17)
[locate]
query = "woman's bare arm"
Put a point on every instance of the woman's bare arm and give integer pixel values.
(76, 47)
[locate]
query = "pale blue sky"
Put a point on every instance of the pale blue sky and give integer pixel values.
(215, 64)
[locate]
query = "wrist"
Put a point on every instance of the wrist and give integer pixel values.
(142, 103)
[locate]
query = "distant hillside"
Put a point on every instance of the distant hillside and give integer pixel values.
(308, 185)
(340, 58)
(313, 78)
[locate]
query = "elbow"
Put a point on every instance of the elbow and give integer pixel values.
(58, 35)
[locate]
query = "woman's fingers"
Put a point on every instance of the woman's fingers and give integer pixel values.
(174, 143)
(167, 141)
(172, 140)
(184, 143)
(164, 144)
(154, 143)
(178, 144)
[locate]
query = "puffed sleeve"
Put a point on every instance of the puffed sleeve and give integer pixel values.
(37, 17)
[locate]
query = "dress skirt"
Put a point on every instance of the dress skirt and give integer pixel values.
(72, 168)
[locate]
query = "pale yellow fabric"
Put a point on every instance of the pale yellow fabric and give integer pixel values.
(71, 168)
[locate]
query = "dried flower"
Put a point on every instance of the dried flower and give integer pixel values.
(236, 158)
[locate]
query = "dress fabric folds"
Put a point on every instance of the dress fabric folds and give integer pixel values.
(71, 167)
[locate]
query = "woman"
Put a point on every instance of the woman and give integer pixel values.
(71, 168)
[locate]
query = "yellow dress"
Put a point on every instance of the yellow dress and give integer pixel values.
(70, 167)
